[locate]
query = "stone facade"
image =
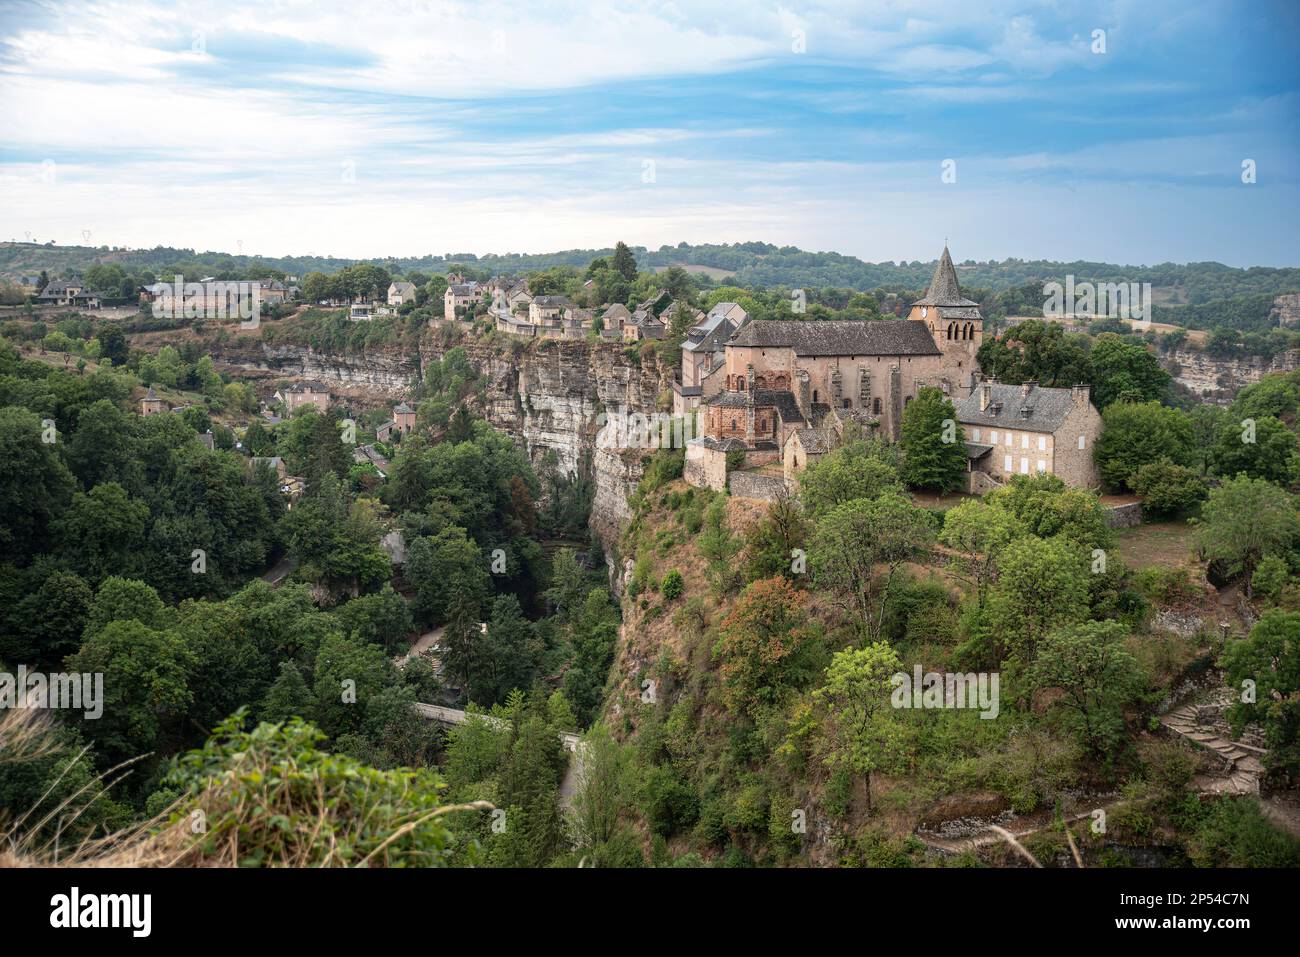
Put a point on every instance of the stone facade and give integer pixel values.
(777, 379)
(1027, 429)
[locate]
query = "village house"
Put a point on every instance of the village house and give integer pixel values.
(68, 292)
(272, 291)
(613, 319)
(306, 392)
(402, 423)
(778, 379)
(1029, 429)
(702, 352)
(400, 292)
(459, 297)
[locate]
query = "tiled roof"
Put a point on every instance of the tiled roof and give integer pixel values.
(840, 337)
(944, 290)
(1042, 410)
(813, 441)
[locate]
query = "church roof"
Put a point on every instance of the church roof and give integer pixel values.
(944, 289)
(839, 337)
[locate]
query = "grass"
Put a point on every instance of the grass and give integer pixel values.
(1162, 544)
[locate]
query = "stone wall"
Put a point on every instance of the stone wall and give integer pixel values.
(757, 485)
(982, 482)
(1123, 516)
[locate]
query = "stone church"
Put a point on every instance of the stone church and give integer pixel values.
(786, 390)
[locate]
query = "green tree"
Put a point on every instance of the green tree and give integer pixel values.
(1262, 448)
(1125, 371)
(1135, 433)
(978, 531)
(1270, 659)
(864, 733)
(857, 469)
(35, 485)
(934, 449)
(1166, 488)
(288, 696)
(1042, 585)
(442, 566)
(624, 262)
(852, 543)
(1097, 676)
(1244, 520)
(146, 673)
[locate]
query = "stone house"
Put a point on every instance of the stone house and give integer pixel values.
(306, 392)
(1027, 429)
(400, 293)
(460, 296)
(151, 404)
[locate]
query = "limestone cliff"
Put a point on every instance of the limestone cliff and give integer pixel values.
(550, 395)
(1213, 379)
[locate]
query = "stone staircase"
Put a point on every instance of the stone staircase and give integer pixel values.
(1198, 725)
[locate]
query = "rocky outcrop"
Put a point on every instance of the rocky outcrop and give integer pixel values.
(377, 374)
(1214, 379)
(555, 395)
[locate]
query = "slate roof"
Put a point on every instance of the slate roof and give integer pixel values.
(309, 385)
(403, 407)
(976, 451)
(840, 337)
(404, 288)
(710, 335)
(463, 288)
(813, 441)
(552, 302)
(151, 395)
(1047, 408)
(944, 289)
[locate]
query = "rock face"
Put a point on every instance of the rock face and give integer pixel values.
(1219, 380)
(378, 375)
(555, 395)
(551, 395)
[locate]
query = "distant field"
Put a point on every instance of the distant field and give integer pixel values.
(711, 271)
(1195, 336)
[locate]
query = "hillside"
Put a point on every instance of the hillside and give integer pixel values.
(755, 264)
(722, 691)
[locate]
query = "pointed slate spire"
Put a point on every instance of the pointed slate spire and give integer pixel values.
(944, 290)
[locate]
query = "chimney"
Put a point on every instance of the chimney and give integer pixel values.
(1081, 394)
(1028, 387)
(986, 394)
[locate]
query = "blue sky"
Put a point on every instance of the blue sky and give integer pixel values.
(287, 126)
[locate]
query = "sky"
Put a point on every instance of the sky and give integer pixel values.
(1057, 130)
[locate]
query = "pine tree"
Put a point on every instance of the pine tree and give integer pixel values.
(288, 695)
(624, 262)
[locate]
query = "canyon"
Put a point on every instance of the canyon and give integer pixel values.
(549, 395)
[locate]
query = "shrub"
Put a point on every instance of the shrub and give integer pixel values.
(270, 797)
(673, 585)
(1167, 488)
